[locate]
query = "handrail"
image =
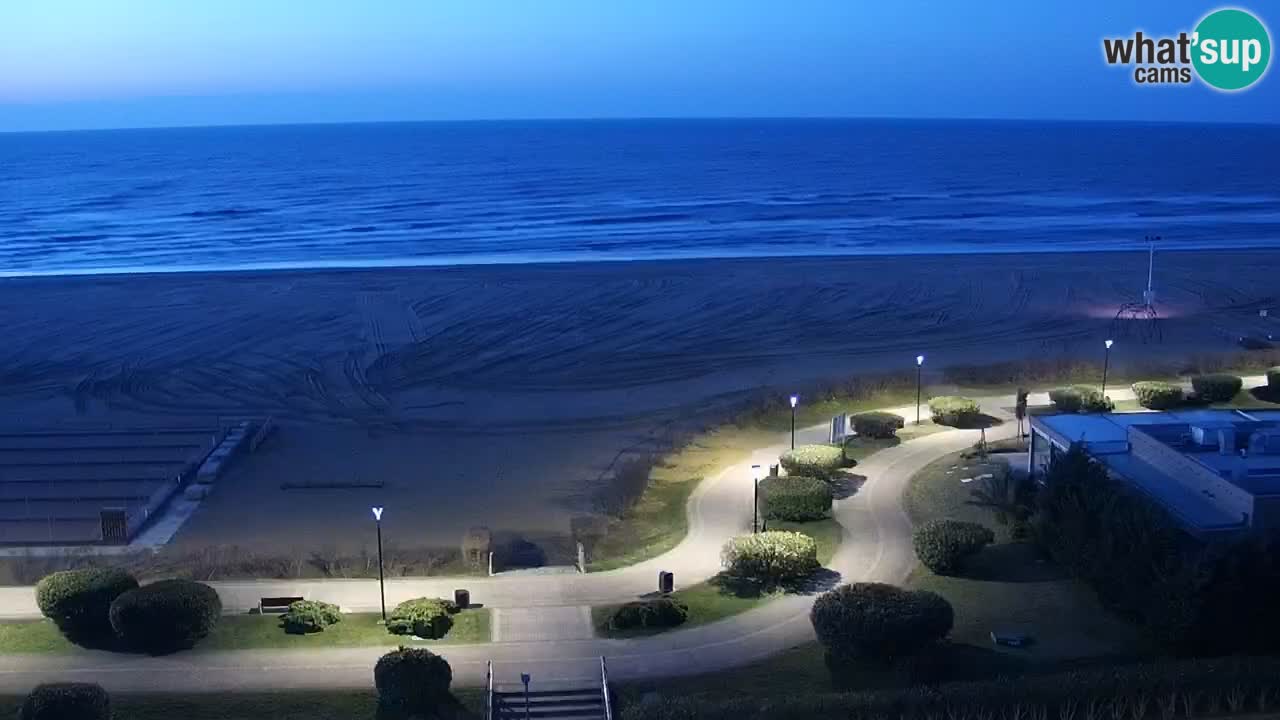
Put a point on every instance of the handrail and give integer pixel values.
(488, 697)
(604, 687)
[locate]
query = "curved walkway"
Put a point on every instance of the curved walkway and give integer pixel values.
(876, 546)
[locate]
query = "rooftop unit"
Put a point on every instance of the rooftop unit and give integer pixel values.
(1265, 441)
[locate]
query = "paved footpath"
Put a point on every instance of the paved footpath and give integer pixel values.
(542, 621)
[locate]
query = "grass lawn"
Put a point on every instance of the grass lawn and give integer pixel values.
(242, 632)
(658, 522)
(238, 632)
(714, 599)
(1007, 586)
(284, 705)
(32, 636)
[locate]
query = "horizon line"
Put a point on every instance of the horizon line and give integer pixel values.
(647, 118)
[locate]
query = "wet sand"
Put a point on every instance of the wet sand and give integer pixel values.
(501, 395)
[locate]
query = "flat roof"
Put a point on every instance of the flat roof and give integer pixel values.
(1105, 437)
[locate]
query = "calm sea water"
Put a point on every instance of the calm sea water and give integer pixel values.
(451, 193)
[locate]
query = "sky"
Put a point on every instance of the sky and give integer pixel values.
(68, 64)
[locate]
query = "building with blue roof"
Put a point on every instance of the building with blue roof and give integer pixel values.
(1216, 471)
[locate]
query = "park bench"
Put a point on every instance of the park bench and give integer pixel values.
(275, 604)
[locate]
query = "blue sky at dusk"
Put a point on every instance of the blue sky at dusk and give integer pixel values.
(136, 63)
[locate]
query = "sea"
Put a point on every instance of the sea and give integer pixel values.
(452, 193)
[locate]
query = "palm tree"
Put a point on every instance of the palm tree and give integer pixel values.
(1003, 495)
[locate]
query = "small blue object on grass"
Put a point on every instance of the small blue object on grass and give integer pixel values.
(1007, 639)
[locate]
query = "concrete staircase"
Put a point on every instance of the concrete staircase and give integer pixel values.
(575, 701)
(549, 704)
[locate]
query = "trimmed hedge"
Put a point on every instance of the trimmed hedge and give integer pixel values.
(1157, 395)
(1273, 378)
(66, 701)
(662, 612)
(309, 616)
(423, 617)
(1216, 387)
(165, 616)
(813, 460)
(877, 424)
(413, 681)
(954, 410)
(79, 601)
(794, 498)
(1079, 398)
(876, 621)
(1217, 687)
(944, 544)
(770, 557)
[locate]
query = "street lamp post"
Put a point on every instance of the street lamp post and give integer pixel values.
(794, 399)
(755, 498)
(1106, 362)
(382, 586)
(919, 365)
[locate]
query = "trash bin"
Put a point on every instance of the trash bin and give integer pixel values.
(666, 582)
(462, 598)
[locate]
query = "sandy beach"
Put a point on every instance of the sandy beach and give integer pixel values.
(501, 395)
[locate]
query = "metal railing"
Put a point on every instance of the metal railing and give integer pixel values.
(488, 697)
(604, 688)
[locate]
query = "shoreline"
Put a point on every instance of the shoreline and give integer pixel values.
(447, 263)
(505, 396)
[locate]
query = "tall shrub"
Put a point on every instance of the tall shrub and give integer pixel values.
(1157, 395)
(1216, 387)
(877, 424)
(423, 617)
(943, 545)
(795, 498)
(166, 616)
(413, 682)
(66, 701)
(770, 558)
(1079, 398)
(954, 410)
(79, 601)
(879, 622)
(309, 616)
(813, 460)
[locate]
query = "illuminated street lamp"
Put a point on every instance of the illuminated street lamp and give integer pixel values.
(919, 364)
(382, 587)
(794, 399)
(755, 498)
(1106, 361)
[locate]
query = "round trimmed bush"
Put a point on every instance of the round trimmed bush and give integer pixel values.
(1273, 378)
(812, 460)
(794, 498)
(954, 410)
(423, 617)
(79, 601)
(770, 557)
(659, 612)
(1216, 387)
(1079, 398)
(879, 622)
(413, 681)
(166, 616)
(877, 424)
(309, 616)
(1157, 395)
(943, 545)
(66, 701)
